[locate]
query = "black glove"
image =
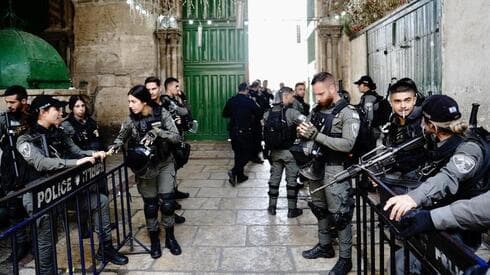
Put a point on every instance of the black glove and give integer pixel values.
(415, 222)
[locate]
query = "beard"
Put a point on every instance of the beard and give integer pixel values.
(325, 103)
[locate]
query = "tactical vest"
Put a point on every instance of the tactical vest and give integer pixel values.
(186, 121)
(142, 125)
(398, 134)
(86, 134)
(323, 122)
(439, 157)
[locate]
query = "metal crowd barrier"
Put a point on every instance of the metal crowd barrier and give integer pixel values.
(61, 196)
(437, 252)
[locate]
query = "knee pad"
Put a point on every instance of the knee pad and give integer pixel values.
(167, 204)
(319, 212)
(151, 208)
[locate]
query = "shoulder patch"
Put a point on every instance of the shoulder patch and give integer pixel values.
(463, 163)
(25, 150)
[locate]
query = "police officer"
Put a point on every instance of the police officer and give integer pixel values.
(82, 128)
(370, 105)
(262, 99)
(149, 137)
(153, 85)
(404, 125)
(14, 173)
(243, 113)
(48, 150)
(334, 206)
(455, 169)
(181, 113)
(280, 158)
(299, 99)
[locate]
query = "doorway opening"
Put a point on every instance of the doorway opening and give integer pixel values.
(277, 43)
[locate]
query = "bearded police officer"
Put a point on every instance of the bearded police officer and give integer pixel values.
(48, 150)
(13, 168)
(279, 135)
(333, 206)
(299, 99)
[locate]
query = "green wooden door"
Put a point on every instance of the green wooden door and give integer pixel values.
(212, 70)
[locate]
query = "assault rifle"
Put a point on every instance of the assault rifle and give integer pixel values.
(378, 160)
(11, 135)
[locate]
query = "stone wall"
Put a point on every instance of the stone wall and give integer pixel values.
(466, 55)
(113, 52)
(358, 65)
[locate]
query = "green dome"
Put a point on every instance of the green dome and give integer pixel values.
(28, 60)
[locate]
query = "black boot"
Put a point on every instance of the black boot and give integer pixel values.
(180, 195)
(323, 251)
(295, 212)
(177, 205)
(241, 178)
(342, 267)
(170, 241)
(272, 210)
(156, 248)
(232, 178)
(111, 255)
(179, 219)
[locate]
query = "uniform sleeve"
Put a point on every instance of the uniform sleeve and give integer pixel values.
(470, 214)
(226, 110)
(292, 115)
(73, 148)
(68, 128)
(3, 126)
(463, 165)
(350, 129)
(123, 134)
(298, 106)
(35, 157)
(168, 130)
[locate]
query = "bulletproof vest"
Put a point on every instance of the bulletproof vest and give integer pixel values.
(85, 133)
(398, 134)
(439, 157)
(323, 122)
(17, 125)
(277, 133)
(160, 147)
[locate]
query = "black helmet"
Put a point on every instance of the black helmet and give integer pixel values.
(139, 158)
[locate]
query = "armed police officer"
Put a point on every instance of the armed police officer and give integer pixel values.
(370, 105)
(279, 135)
(243, 113)
(48, 150)
(457, 165)
(404, 125)
(181, 117)
(150, 137)
(181, 113)
(333, 207)
(13, 168)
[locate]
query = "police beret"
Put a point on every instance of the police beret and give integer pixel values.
(441, 108)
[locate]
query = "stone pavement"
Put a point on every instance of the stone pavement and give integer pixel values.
(227, 229)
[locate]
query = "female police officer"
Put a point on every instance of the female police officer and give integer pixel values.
(48, 150)
(149, 136)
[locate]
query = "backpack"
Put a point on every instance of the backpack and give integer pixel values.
(277, 133)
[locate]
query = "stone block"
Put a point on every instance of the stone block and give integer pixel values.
(198, 259)
(282, 235)
(210, 217)
(256, 259)
(226, 192)
(106, 80)
(221, 236)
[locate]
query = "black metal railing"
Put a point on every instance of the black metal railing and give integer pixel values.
(433, 253)
(64, 198)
